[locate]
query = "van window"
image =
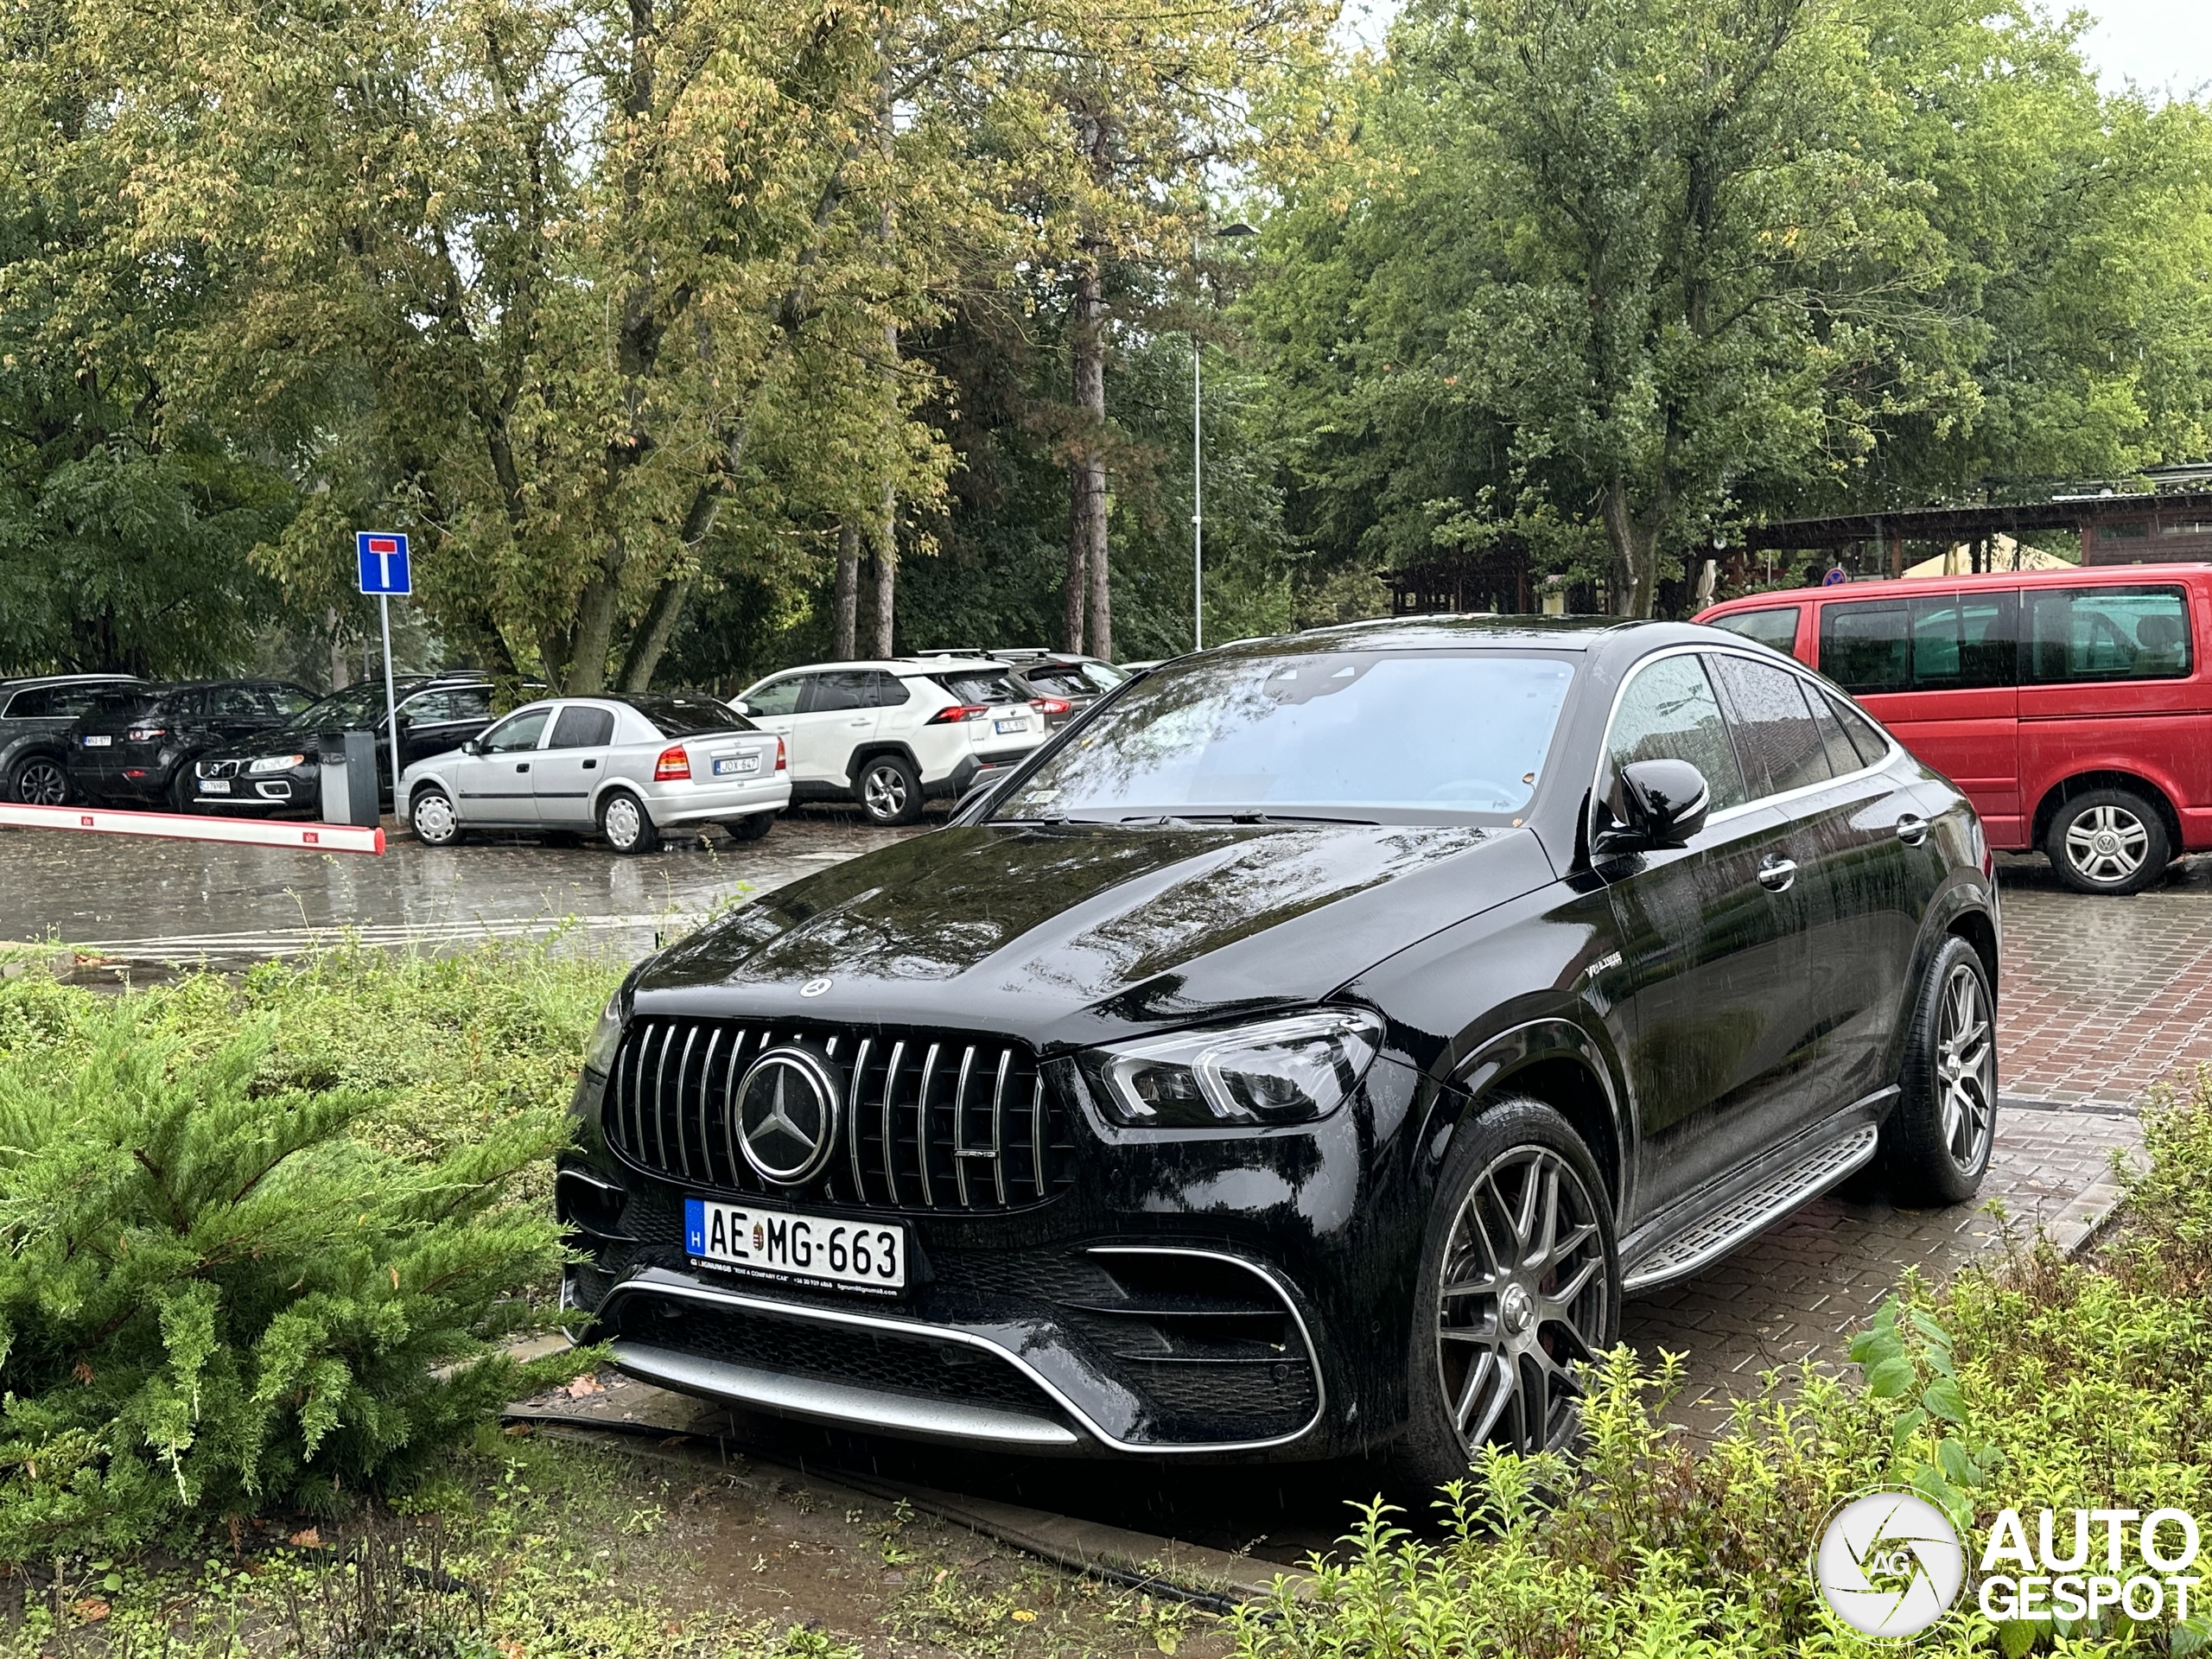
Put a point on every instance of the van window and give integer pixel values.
(1946, 642)
(1777, 627)
(2087, 634)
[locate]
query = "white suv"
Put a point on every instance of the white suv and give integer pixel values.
(889, 734)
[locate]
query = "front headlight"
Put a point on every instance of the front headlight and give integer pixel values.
(1292, 1070)
(277, 763)
(606, 1038)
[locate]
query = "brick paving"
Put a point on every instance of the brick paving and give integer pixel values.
(2102, 999)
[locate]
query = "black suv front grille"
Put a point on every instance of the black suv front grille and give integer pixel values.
(929, 1120)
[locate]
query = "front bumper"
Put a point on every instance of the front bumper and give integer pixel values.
(1221, 1298)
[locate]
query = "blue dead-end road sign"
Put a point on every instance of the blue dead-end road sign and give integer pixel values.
(384, 561)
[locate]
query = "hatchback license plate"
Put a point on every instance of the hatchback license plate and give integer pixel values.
(102, 741)
(871, 1257)
(214, 786)
(1016, 725)
(737, 763)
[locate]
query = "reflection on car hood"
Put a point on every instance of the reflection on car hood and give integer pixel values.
(1069, 933)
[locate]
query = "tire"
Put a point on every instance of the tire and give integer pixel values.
(627, 826)
(889, 791)
(755, 827)
(182, 797)
(432, 816)
(1517, 1323)
(1935, 1145)
(2110, 841)
(38, 780)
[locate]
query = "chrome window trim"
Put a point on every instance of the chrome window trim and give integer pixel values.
(1763, 657)
(659, 1281)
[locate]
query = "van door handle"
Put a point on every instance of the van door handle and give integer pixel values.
(1912, 829)
(1777, 873)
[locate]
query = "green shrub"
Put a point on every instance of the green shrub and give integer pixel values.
(214, 1297)
(2028, 1382)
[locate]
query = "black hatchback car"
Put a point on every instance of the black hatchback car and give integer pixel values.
(1306, 1051)
(35, 715)
(135, 745)
(279, 773)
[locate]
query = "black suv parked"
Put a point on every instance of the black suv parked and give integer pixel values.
(280, 772)
(134, 745)
(1306, 1049)
(35, 715)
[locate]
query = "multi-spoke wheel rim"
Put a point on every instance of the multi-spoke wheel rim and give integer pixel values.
(1965, 1068)
(434, 819)
(2108, 843)
(622, 822)
(41, 783)
(1522, 1297)
(885, 793)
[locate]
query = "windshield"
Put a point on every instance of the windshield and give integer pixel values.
(683, 715)
(1418, 736)
(355, 708)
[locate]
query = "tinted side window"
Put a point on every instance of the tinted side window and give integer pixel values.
(1843, 757)
(1867, 648)
(1865, 738)
(41, 702)
(776, 698)
(1961, 641)
(843, 688)
(2087, 634)
(890, 690)
(580, 727)
(1775, 736)
(1669, 712)
(1777, 628)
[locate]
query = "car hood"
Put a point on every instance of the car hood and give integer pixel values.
(1072, 933)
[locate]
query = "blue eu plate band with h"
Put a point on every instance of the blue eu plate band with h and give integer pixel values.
(383, 557)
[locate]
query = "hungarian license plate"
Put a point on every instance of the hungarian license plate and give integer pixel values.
(861, 1256)
(214, 786)
(100, 741)
(1015, 725)
(732, 763)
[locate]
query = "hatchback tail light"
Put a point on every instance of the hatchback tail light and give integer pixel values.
(960, 711)
(781, 762)
(147, 734)
(1050, 705)
(674, 766)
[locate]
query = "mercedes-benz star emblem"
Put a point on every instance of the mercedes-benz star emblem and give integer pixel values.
(787, 1115)
(814, 988)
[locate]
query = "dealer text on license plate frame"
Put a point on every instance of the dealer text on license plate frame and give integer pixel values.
(790, 1244)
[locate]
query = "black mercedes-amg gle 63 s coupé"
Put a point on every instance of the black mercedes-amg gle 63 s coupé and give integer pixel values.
(1303, 1052)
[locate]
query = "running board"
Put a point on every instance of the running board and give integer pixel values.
(1755, 1212)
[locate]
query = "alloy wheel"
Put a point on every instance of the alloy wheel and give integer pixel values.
(41, 783)
(1965, 1068)
(2108, 843)
(884, 793)
(1522, 1298)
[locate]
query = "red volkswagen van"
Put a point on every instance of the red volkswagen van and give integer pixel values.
(2073, 707)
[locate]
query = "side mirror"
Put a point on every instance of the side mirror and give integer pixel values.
(1654, 803)
(474, 746)
(739, 706)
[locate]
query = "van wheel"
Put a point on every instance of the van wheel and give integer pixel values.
(1935, 1145)
(1520, 1284)
(626, 824)
(890, 792)
(2109, 841)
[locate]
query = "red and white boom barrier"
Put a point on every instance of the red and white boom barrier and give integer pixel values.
(184, 826)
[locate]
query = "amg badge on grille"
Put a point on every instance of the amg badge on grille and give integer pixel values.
(787, 1113)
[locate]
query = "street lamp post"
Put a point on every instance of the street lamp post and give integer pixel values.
(1197, 467)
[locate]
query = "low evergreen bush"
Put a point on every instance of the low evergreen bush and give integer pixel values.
(215, 1296)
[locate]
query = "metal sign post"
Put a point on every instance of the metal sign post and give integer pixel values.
(383, 556)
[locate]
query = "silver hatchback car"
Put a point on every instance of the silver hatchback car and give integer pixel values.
(630, 767)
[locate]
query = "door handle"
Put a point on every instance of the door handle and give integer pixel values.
(1912, 829)
(1777, 873)
(856, 722)
(591, 765)
(521, 766)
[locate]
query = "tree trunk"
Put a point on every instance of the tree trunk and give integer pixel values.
(1088, 589)
(887, 570)
(337, 650)
(584, 673)
(846, 630)
(1635, 543)
(654, 630)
